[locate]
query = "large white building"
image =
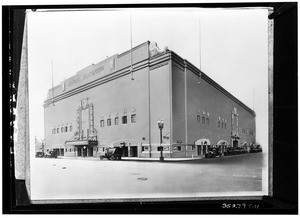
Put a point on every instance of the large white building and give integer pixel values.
(108, 104)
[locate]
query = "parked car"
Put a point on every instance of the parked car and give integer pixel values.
(39, 154)
(256, 149)
(212, 153)
(51, 154)
(112, 153)
(240, 150)
(230, 151)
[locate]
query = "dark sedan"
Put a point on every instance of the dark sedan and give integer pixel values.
(212, 153)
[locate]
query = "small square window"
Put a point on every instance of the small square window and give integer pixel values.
(145, 148)
(109, 122)
(116, 120)
(124, 119)
(133, 118)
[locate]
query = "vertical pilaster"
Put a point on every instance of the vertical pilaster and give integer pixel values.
(171, 103)
(185, 107)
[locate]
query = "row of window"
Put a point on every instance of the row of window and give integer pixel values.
(116, 120)
(75, 149)
(62, 129)
(245, 131)
(221, 125)
(205, 120)
(202, 120)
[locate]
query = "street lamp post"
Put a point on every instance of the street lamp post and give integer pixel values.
(161, 126)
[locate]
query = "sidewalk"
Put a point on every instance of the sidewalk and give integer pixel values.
(134, 159)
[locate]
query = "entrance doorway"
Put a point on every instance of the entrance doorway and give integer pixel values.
(133, 151)
(201, 149)
(125, 151)
(90, 152)
(235, 143)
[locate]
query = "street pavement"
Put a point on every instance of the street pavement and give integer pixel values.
(84, 179)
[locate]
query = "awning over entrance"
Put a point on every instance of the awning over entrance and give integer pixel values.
(81, 142)
(202, 142)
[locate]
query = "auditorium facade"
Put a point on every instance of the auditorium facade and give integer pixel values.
(119, 101)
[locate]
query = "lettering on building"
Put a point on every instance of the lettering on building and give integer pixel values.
(79, 78)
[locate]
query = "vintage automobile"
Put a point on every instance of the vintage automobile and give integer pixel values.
(255, 149)
(212, 153)
(50, 154)
(112, 153)
(39, 154)
(240, 150)
(230, 151)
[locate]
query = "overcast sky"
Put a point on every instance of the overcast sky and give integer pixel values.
(234, 49)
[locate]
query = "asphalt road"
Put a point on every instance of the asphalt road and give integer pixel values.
(85, 179)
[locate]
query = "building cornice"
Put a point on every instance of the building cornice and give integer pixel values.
(185, 63)
(148, 62)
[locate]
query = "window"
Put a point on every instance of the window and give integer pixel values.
(71, 128)
(53, 131)
(203, 120)
(176, 148)
(225, 125)
(133, 118)
(70, 149)
(66, 129)
(57, 130)
(109, 122)
(62, 129)
(101, 123)
(207, 121)
(219, 123)
(198, 118)
(117, 121)
(66, 150)
(124, 119)
(145, 148)
(222, 125)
